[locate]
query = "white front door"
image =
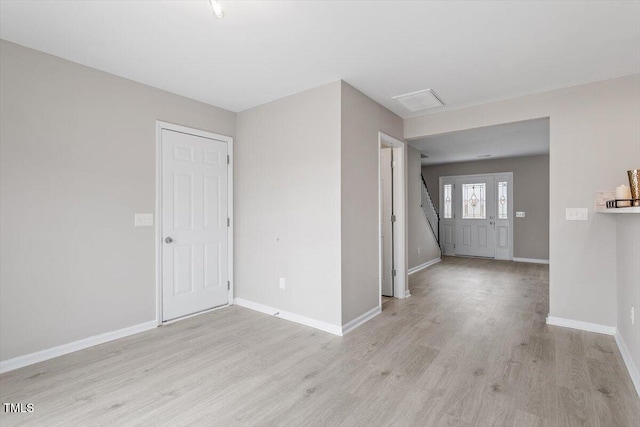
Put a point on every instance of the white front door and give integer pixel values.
(475, 216)
(194, 224)
(386, 200)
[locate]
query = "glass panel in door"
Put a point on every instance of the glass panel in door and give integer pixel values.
(475, 207)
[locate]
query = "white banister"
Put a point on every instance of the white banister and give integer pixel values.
(430, 212)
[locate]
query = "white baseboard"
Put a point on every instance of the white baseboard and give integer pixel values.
(363, 318)
(50, 353)
(293, 317)
(583, 326)
(406, 294)
(532, 260)
(423, 266)
(628, 361)
(634, 373)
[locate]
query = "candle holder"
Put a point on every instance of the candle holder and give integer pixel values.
(634, 184)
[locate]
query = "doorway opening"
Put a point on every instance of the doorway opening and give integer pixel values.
(392, 218)
(387, 219)
(508, 168)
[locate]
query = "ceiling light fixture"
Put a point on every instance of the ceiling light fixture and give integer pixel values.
(217, 9)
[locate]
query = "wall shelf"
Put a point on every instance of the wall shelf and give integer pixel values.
(633, 209)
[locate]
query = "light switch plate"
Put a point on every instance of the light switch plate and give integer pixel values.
(577, 214)
(519, 214)
(143, 220)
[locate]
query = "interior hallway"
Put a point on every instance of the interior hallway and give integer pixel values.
(469, 347)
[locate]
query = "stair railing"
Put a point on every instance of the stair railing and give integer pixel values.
(430, 211)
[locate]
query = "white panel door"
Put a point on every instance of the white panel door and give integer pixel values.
(386, 198)
(475, 216)
(194, 224)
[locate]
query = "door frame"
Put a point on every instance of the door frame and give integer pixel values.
(160, 125)
(399, 173)
(383, 222)
(450, 179)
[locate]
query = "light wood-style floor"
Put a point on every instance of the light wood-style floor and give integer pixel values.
(469, 348)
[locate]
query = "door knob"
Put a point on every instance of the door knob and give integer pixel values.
(168, 240)
(490, 222)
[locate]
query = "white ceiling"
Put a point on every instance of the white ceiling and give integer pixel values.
(526, 138)
(467, 52)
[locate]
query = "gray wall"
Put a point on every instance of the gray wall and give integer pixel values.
(628, 275)
(77, 160)
(595, 129)
(420, 234)
(287, 204)
(362, 119)
(530, 195)
(306, 202)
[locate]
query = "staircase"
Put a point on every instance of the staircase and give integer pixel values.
(429, 209)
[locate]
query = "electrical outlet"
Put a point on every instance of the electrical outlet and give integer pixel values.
(143, 220)
(282, 283)
(633, 315)
(418, 250)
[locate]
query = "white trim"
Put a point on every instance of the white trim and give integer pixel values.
(50, 353)
(232, 219)
(293, 317)
(582, 326)
(363, 318)
(158, 219)
(532, 260)
(400, 211)
(406, 294)
(634, 373)
(424, 265)
(158, 230)
(631, 209)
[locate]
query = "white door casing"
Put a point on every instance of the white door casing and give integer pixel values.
(475, 211)
(194, 229)
(400, 280)
(386, 183)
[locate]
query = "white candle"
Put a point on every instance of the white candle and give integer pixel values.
(623, 192)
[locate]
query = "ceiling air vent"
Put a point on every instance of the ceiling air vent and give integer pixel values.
(419, 101)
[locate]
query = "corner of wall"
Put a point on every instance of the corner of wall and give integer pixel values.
(361, 120)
